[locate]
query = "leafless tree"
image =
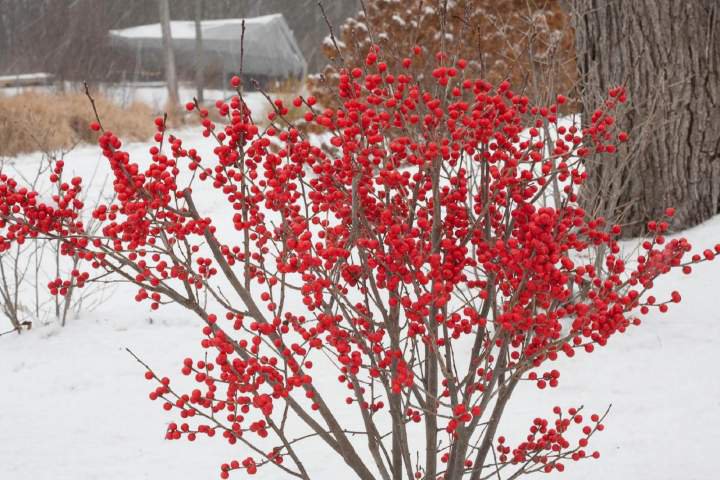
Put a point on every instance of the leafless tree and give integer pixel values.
(199, 57)
(169, 53)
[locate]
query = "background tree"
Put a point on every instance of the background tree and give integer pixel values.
(667, 54)
(169, 53)
(199, 58)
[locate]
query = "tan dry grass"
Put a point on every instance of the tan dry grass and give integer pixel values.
(34, 121)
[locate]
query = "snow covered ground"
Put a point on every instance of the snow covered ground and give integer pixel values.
(74, 406)
(154, 94)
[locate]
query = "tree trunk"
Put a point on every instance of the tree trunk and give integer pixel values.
(667, 54)
(199, 56)
(170, 72)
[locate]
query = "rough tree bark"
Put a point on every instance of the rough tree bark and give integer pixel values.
(170, 72)
(667, 54)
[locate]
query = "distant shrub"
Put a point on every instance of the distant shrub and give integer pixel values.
(529, 43)
(45, 122)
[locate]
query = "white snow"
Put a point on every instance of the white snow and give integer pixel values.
(26, 76)
(155, 95)
(24, 79)
(399, 20)
(74, 406)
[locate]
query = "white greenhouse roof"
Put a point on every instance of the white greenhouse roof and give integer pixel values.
(269, 44)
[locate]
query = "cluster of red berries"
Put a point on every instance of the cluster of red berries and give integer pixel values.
(546, 446)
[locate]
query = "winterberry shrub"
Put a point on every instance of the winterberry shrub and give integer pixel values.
(405, 252)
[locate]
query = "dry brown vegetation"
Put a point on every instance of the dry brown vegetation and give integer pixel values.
(528, 42)
(34, 121)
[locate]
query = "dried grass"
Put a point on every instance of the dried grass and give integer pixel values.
(47, 122)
